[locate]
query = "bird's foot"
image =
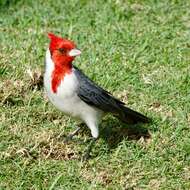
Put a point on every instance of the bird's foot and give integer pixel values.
(71, 135)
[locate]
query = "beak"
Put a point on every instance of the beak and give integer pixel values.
(74, 52)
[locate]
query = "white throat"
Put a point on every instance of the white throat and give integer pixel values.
(49, 65)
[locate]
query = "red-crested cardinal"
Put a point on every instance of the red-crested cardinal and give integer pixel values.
(75, 94)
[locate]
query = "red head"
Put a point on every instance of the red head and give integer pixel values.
(62, 52)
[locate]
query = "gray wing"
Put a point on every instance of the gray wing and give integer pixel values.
(96, 96)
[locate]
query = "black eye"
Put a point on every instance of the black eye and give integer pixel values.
(61, 50)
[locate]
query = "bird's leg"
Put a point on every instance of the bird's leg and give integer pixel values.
(86, 155)
(71, 135)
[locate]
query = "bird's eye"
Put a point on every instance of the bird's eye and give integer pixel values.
(61, 50)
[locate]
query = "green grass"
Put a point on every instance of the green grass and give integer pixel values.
(139, 51)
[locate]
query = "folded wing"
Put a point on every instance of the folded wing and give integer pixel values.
(96, 96)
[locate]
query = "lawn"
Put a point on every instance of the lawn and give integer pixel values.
(137, 50)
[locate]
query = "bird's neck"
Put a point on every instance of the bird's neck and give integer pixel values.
(62, 66)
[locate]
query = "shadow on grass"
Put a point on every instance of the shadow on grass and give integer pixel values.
(113, 132)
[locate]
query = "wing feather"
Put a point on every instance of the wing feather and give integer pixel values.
(96, 96)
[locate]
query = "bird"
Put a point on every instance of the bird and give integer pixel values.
(76, 95)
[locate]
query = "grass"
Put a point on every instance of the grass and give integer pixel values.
(139, 51)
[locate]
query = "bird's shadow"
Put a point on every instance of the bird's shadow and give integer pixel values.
(113, 132)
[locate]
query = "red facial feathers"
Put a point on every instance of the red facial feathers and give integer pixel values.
(59, 49)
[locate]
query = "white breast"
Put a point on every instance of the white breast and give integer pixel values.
(66, 98)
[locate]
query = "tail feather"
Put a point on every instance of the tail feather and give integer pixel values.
(132, 117)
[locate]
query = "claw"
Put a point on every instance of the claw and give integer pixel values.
(70, 136)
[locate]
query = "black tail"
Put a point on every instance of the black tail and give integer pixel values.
(132, 117)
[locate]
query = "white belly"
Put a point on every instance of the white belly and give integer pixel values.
(67, 100)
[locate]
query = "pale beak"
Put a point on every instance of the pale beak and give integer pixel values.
(74, 52)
